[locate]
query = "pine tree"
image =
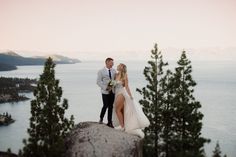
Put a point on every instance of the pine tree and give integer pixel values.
(151, 102)
(167, 111)
(217, 151)
(187, 141)
(9, 150)
(48, 124)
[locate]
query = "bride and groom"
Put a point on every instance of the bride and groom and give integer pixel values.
(123, 112)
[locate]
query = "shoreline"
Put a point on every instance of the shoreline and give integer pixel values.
(8, 99)
(12, 89)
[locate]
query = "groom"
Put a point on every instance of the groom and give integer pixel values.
(105, 75)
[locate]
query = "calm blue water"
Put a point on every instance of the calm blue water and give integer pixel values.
(215, 90)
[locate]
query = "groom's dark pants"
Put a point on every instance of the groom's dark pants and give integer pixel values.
(108, 100)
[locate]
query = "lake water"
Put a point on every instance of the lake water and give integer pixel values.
(216, 90)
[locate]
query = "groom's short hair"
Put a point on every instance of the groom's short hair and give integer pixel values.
(108, 59)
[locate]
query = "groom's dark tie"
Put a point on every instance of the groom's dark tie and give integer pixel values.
(109, 73)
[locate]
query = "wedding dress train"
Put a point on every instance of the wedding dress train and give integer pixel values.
(134, 118)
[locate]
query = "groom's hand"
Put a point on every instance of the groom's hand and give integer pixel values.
(109, 88)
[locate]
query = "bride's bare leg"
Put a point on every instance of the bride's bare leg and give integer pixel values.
(119, 109)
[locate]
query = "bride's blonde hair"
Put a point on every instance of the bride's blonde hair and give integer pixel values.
(123, 71)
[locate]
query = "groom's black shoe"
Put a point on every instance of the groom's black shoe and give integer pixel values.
(100, 121)
(110, 125)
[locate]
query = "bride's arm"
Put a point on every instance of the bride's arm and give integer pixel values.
(127, 86)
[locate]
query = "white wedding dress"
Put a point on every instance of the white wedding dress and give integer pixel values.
(134, 118)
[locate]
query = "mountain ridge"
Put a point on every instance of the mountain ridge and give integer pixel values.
(12, 58)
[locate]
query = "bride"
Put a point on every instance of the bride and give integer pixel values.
(126, 112)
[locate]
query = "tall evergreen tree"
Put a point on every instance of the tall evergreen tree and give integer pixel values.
(167, 111)
(217, 151)
(188, 141)
(152, 99)
(48, 124)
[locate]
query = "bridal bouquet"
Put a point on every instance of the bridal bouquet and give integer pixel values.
(111, 84)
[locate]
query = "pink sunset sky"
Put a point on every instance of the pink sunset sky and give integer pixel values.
(96, 28)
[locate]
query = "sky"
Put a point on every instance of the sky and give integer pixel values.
(94, 29)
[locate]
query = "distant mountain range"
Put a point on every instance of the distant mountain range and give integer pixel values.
(9, 60)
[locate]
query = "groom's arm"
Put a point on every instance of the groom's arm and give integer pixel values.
(100, 82)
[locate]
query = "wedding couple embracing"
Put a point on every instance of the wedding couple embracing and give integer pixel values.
(123, 112)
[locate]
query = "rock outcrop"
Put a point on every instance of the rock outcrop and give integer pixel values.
(91, 139)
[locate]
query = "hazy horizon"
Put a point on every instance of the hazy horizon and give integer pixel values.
(95, 29)
(168, 54)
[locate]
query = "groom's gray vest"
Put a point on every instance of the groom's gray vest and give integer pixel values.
(103, 79)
